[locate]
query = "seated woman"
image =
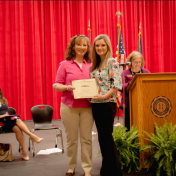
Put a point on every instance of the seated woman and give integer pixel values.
(13, 123)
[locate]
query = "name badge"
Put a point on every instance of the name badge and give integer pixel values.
(129, 76)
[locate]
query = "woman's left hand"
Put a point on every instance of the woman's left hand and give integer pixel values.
(99, 97)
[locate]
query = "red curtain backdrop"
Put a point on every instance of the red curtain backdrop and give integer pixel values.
(34, 36)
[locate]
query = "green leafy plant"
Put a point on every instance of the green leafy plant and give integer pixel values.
(128, 148)
(162, 150)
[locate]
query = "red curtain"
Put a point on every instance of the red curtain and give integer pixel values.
(34, 36)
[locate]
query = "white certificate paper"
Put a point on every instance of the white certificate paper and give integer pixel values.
(85, 88)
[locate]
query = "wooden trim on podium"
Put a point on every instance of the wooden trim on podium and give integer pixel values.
(152, 76)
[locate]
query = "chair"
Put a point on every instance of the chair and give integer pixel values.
(11, 111)
(42, 117)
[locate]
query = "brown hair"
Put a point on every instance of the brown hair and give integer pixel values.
(70, 52)
(96, 57)
(133, 56)
(3, 99)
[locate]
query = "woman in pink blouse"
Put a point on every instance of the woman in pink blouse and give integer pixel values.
(105, 70)
(76, 114)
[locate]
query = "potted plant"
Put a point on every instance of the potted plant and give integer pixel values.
(162, 157)
(128, 147)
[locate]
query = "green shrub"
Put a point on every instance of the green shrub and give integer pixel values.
(162, 157)
(128, 147)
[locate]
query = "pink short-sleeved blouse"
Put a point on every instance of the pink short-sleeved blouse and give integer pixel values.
(67, 72)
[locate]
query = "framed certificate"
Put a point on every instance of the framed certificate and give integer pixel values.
(85, 88)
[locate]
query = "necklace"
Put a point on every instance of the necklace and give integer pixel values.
(133, 73)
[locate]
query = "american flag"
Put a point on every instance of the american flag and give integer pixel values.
(120, 49)
(120, 57)
(121, 46)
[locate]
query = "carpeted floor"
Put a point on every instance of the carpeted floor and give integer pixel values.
(47, 165)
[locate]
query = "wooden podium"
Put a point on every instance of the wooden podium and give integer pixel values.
(152, 99)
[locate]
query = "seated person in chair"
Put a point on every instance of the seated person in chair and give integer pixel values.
(13, 123)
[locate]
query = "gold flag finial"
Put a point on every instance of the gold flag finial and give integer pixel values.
(89, 26)
(119, 14)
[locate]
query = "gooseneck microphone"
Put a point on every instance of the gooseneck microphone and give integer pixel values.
(124, 64)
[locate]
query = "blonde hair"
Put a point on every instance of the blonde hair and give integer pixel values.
(134, 55)
(96, 58)
(70, 51)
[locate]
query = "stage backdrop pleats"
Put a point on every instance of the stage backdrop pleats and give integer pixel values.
(34, 36)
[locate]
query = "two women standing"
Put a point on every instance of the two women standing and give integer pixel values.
(76, 114)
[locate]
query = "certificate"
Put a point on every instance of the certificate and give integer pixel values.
(85, 88)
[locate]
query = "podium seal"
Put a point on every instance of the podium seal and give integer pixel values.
(161, 106)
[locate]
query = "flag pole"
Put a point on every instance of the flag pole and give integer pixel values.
(118, 32)
(123, 83)
(139, 45)
(89, 31)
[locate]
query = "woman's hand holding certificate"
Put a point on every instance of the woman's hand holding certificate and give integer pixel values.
(85, 88)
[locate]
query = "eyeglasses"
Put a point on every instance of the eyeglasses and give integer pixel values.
(135, 62)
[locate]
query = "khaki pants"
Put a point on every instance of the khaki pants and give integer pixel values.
(78, 120)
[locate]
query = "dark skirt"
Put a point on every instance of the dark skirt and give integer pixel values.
(8, 123)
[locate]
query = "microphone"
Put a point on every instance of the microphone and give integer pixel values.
(124, 64)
